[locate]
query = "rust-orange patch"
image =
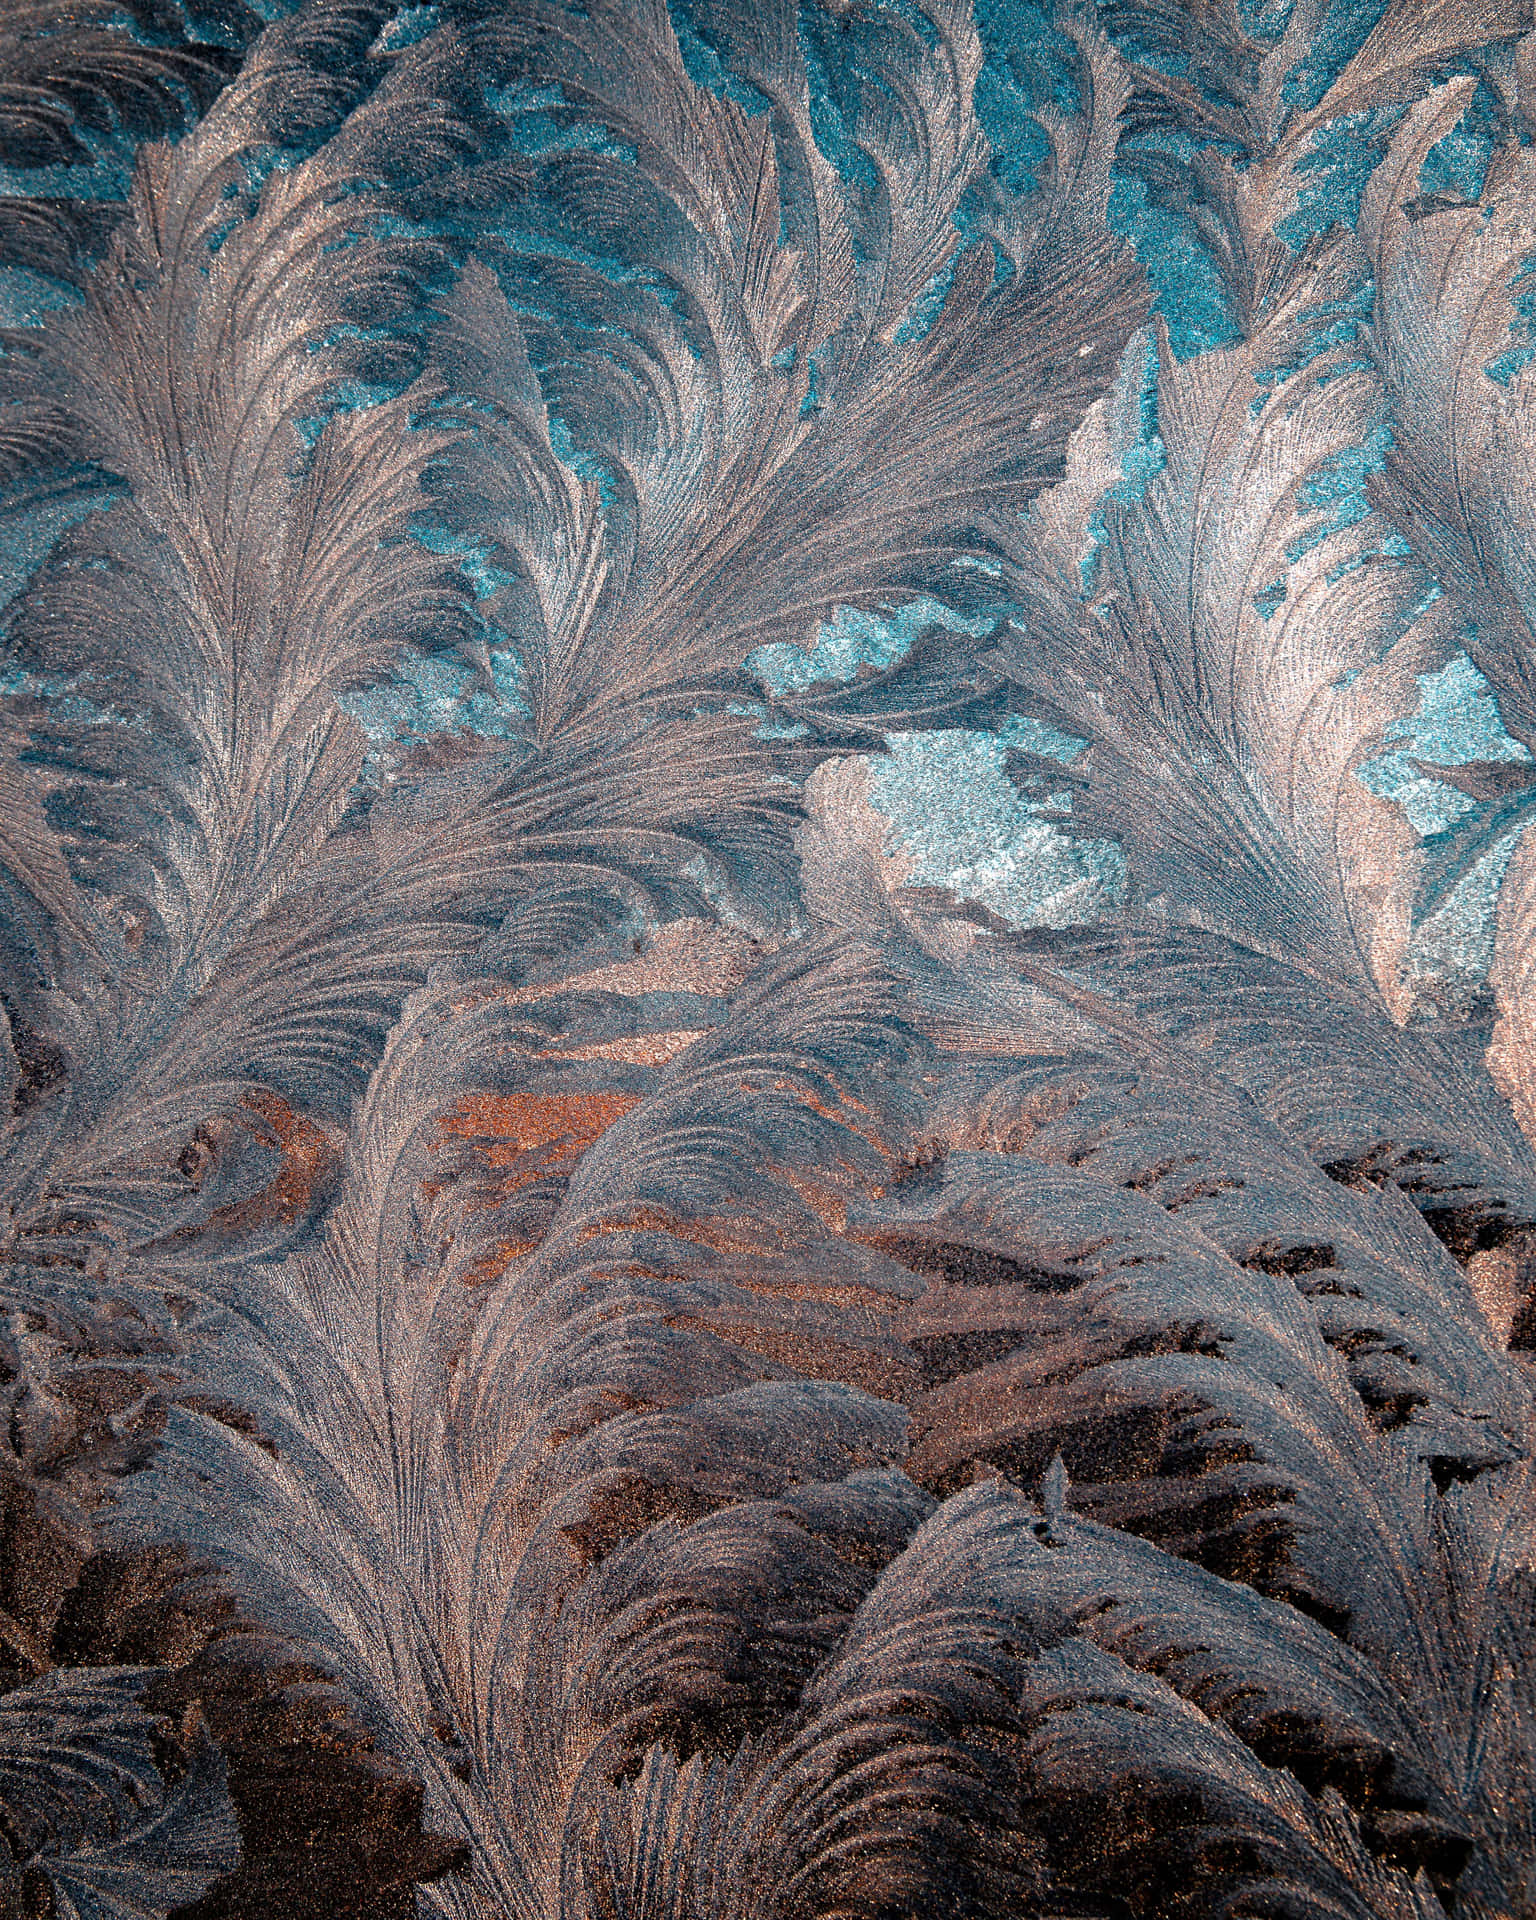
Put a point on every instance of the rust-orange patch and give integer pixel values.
(555, 1128)
(307, 1155)
(495, 1263)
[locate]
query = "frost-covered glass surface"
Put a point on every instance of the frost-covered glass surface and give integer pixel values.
(768, 1003)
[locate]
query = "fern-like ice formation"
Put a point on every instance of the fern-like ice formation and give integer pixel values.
(768, 828)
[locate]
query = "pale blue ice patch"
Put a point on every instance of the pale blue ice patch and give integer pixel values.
(27, 538)
(1331, 323)
(1340, 36)
(347, 396)
(1431, 805)
(1264, 19)
(1032, 61)
(1455, 166)
(433, 694)
(855, 637)
(1337, 488)
(833, 109)
(962, 824)
(26, 297)
(473, 558)
(1143, 458)
(768, 728)
(70, 697)
(1019, 730)
(1522, 327)
(1140, 452)
(409, 25)
(813, 401)
(1458, 938)
(1343, 155)
(585, 465)
(706, 69)
(1191, 295)
(922, 315)
(1504, 366)
(1455, 723)
(1009, 94)
(541, 122)
(105, 176)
